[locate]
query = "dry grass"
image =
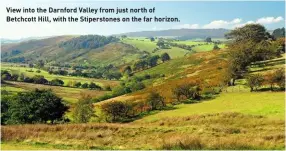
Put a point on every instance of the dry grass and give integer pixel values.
(212, 131)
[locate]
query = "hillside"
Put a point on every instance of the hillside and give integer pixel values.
(51, 51)
(83, 50)
(148, 93)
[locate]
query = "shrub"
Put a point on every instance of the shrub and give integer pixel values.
(279, 78)
(83, 110)
(116, 111)
(28, 80)
(77, 84)
(93, 86)
(5, 76)
(156, 101)
(57, 82)
(14, 77)
(135, 86)
(38, 106)
(165, 57)
(216, 47)
(85, 85)
(186, 91)
(120, 90)
(254, 81)
(38, 79)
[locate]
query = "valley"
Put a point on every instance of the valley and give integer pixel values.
(145, 92)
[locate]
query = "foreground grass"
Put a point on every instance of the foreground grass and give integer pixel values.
(208, 131)
(269, 104)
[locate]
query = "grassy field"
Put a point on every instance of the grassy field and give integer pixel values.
(149, 46)
(268, 104)
(208, 131)
(13, 68)
(200, 46)
(207, 47)
(70, 95)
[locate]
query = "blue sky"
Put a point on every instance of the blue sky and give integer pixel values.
(192, 14)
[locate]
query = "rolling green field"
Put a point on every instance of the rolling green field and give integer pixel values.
(268, 104)
(149, 46)
(200, 46)
(207, 47)
(18, 70)
(68, 94)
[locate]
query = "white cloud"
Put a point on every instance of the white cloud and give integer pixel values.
(187, 26)
(243, 24)
(236, 21)
(269, 20)
(263, 20)
(222, 23)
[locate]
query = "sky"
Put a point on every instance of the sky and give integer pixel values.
(192, 14)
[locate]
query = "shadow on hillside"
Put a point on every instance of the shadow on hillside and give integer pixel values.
(147, 113)
(274, 89)
(269, 63)
(260, 70)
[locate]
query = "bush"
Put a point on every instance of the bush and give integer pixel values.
(186, 91)
(85, 85)
(116, 110)
(254, 81)
(38, 106)
(156, 101)
(57, 82)
(14, 77)
(216, 47)
(135, 86)
(4, 106)
(83, 110)
(120, 90)
(93, 86)
(38, 79)
(209, 93)
(5, 76)
(165, 57)
(279, 78)
(28, 80)
(77, 84)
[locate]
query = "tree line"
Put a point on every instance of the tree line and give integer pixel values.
(39, 79)
(87, 42)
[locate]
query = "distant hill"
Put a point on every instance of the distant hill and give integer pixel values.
(98, 50)
(71, 49)
(182, 34)
(8, 41)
